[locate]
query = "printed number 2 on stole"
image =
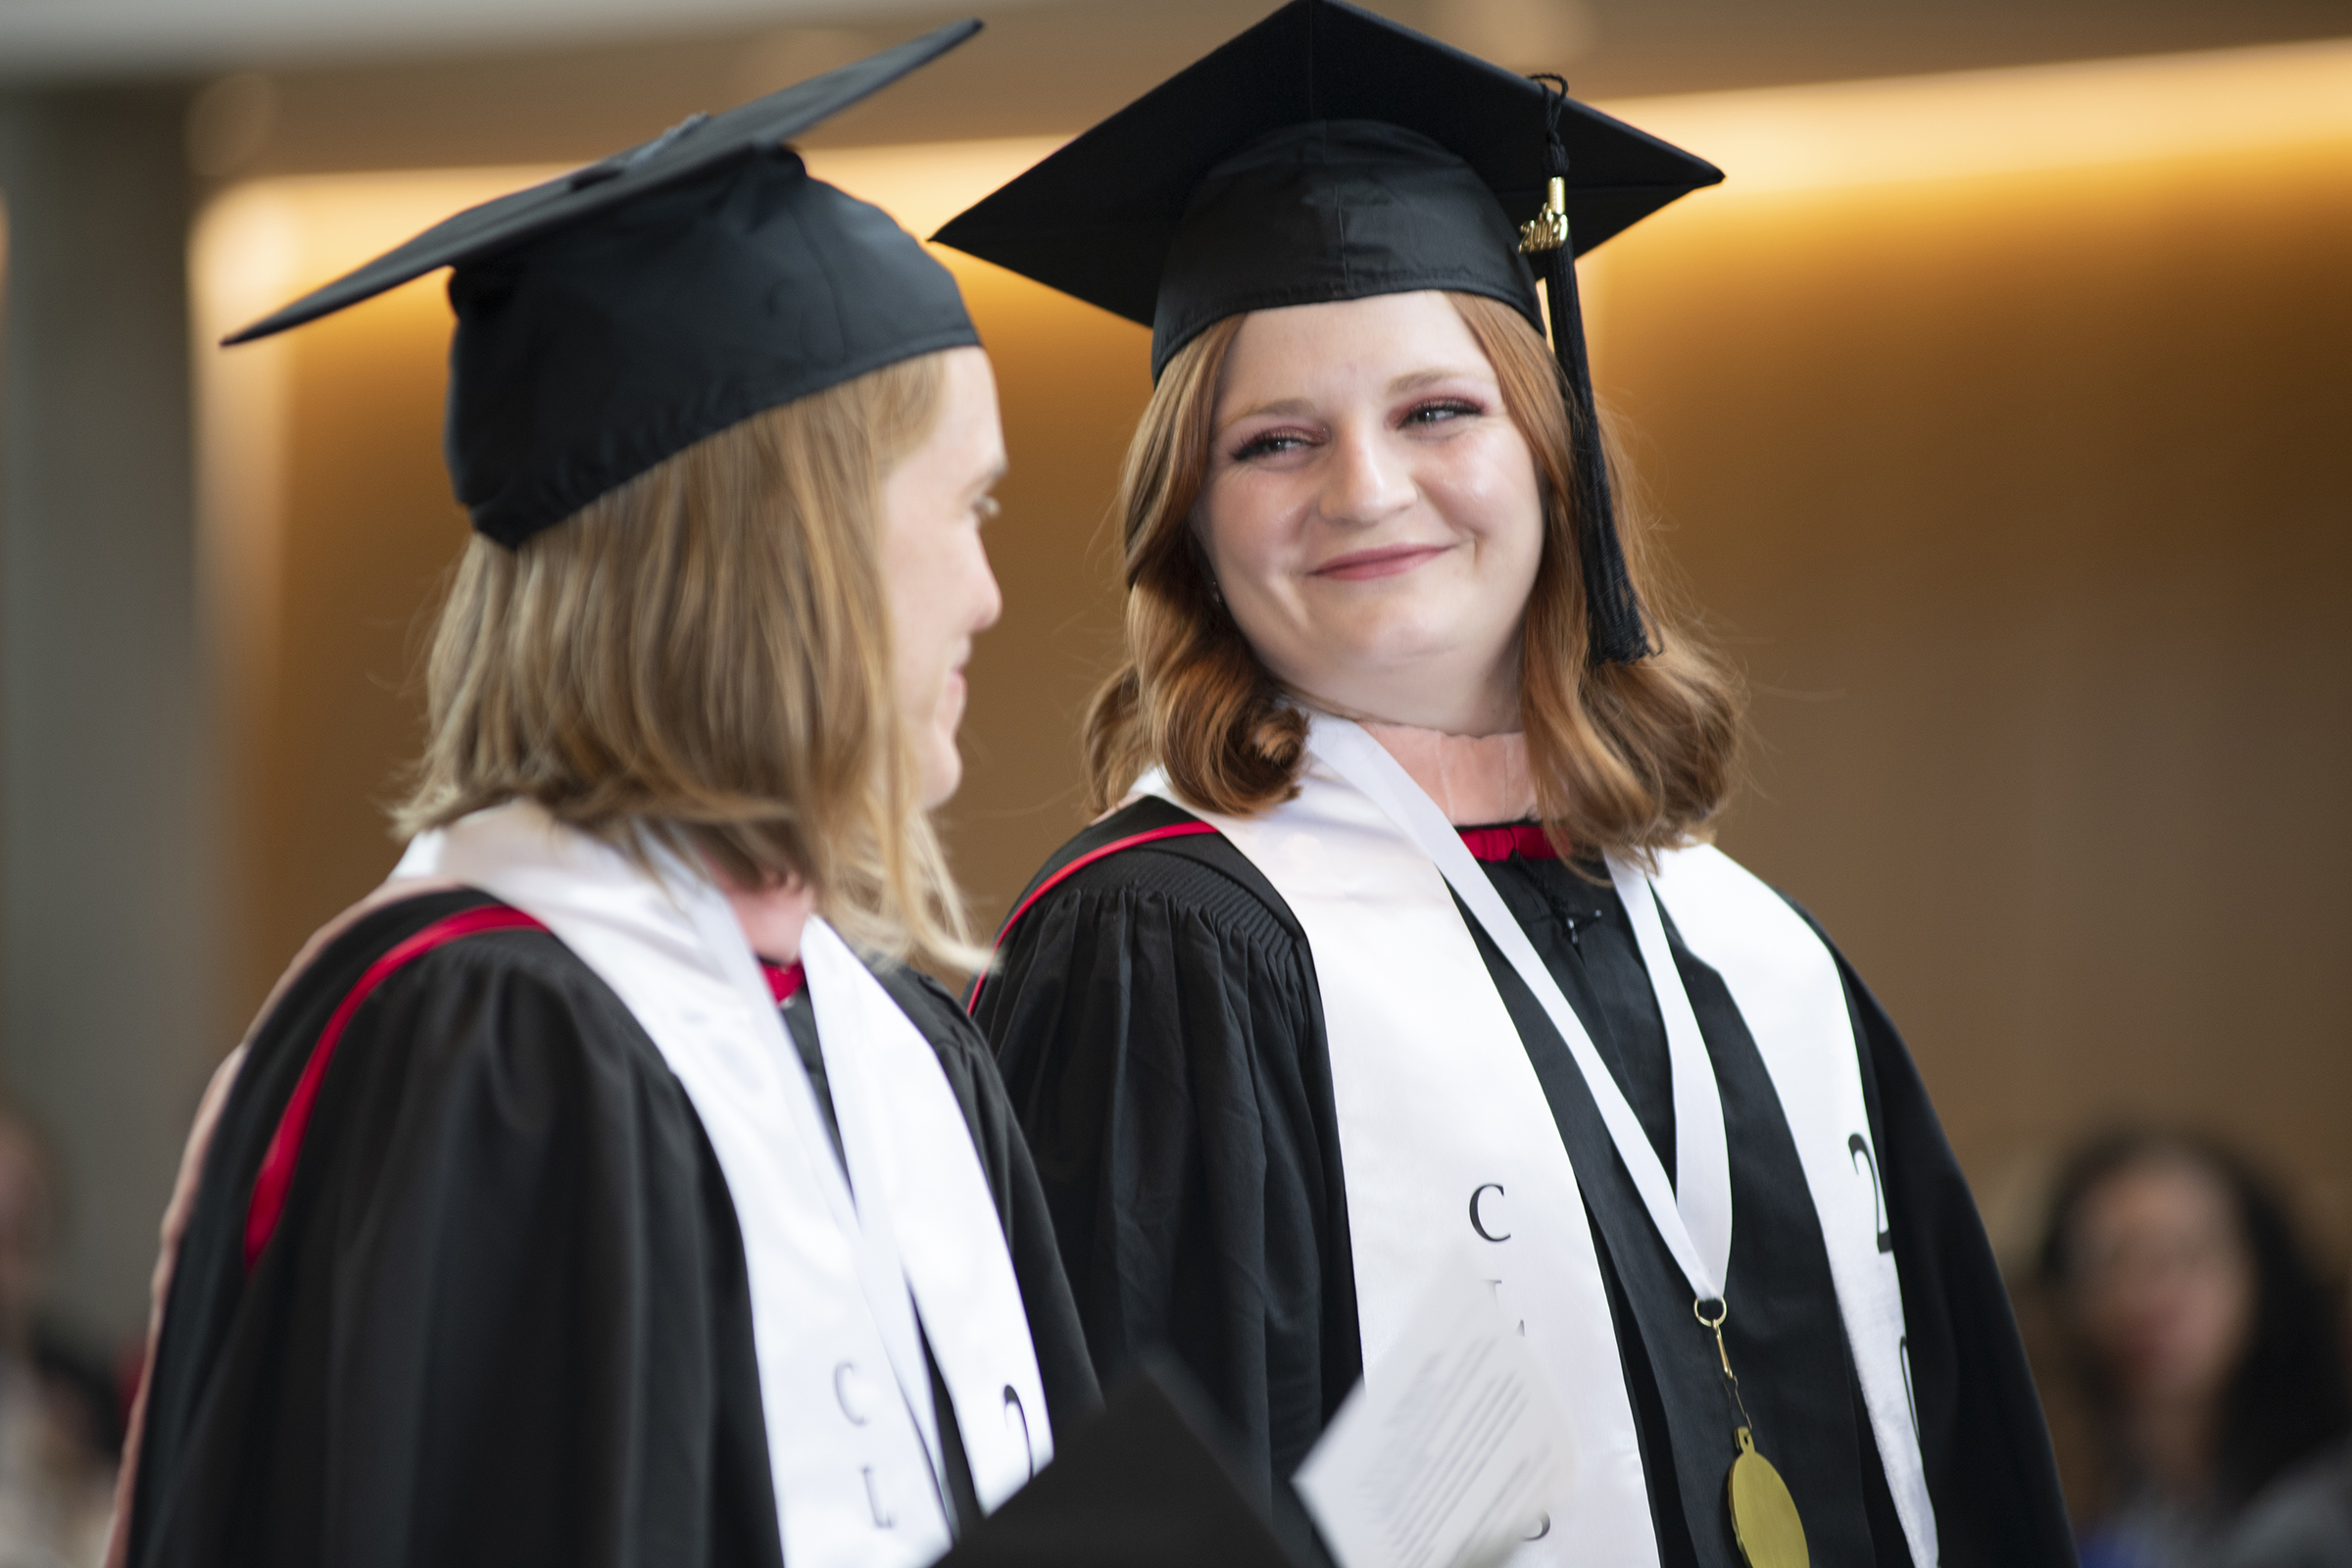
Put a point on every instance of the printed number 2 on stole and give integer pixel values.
(1865, 1159)
(1486, 1223)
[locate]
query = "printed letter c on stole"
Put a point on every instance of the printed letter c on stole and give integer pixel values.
(841, 1393)
(1477, 1222)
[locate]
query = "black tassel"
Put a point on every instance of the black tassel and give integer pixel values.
(1616, 633)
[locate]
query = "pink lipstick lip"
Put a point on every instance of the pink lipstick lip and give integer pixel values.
(1387, 561)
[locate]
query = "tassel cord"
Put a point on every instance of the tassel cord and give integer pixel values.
(1616, 633)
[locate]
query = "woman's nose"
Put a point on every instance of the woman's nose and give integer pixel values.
(1366, 481)
(988, 598)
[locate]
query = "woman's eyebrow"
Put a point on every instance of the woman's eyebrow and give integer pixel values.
(1415, 381)
(1282, 406)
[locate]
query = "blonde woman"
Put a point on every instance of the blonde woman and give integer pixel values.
(1401, 942)
(607, 1189)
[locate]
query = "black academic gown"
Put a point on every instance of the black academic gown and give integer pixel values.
(504, 1318)
(1159, 1028)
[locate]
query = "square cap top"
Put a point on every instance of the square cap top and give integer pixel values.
(1105, 217)
(611, 318)
(697, 145)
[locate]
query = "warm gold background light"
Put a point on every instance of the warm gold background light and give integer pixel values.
(2240, 102)
(1998, 423)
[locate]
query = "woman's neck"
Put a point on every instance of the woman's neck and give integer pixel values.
(773, 917)
(1472, 778)
(1437, 698)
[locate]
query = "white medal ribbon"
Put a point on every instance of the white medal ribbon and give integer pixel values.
(1693, 1214)
(835, 1279)
(1784, 982)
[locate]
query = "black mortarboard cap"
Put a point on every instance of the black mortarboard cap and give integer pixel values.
(614, 316)
(1145, 1482)
(1329, 154)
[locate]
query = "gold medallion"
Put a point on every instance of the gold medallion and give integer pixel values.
(1763, 1515)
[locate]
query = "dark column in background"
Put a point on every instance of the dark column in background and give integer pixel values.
(105, 787)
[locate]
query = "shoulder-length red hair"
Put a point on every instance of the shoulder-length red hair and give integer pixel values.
(1629, 758)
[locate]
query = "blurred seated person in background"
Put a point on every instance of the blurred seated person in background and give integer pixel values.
(60, 1426)
(2212, 1358)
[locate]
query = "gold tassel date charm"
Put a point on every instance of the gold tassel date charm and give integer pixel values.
(1547, 230)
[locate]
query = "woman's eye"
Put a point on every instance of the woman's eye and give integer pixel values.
(1267, 445)
(1441, 409)
(987, 508)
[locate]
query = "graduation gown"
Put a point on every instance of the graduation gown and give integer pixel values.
(504, 1317)
(1158, 1023)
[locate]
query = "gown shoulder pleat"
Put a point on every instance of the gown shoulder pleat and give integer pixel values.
(1158, 1032)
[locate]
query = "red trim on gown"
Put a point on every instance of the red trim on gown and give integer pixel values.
(1175, 830)
(276, 1176)
(1522, 839)
(784, 980)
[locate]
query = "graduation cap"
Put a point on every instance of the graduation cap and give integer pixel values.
(1330, 153)
(610, 317)
(1147, 1482)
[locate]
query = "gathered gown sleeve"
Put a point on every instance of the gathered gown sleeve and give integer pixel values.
(1159, 1033)
(503, 1318)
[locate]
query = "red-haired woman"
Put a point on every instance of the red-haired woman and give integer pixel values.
(1402, 934)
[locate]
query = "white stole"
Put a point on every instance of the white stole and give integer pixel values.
(1444, 1131)
(1444, 1125)
(1784, 980)
(836, 1280)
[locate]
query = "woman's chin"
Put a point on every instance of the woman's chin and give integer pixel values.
(1394, 659)
(943, 772)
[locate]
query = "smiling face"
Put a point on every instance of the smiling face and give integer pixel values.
(1371, 514)
(935, 572)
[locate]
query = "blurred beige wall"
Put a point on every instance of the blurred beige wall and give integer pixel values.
(2018, 492)
(2026, 501)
